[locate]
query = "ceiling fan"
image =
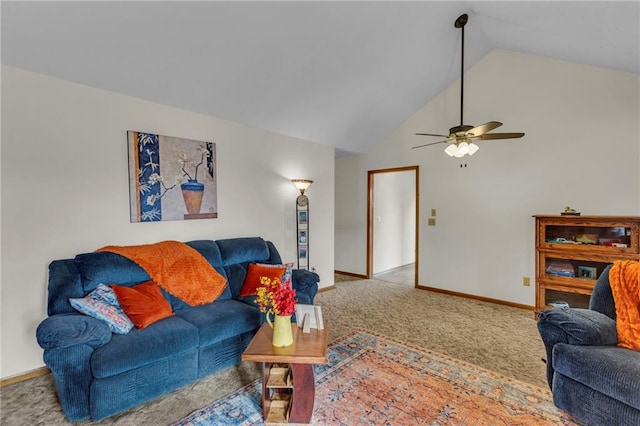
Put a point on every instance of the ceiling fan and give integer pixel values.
(460, 137)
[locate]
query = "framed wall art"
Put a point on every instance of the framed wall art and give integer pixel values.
(171, 178)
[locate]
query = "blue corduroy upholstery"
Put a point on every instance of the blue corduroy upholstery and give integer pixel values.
(108, 268)
(65, 330)
(98, 374)
(602, 297)
(221, 320)
(590, 377)
(239, 250)
(64, 283)
(306, 285)
(137, 348)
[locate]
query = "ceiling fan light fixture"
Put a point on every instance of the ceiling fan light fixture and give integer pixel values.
(473, 148)
(452, 150)
(463, 148)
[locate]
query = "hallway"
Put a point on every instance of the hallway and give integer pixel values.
(401, 275)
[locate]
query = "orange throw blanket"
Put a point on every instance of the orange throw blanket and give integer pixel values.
(178, 268)
(624, 278)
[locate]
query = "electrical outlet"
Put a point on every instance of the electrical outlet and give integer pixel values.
(526, 281)
(431, 221)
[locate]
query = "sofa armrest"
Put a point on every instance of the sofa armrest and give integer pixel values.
(305, 283)
(66, 330)
(574, 327)
(68, 341)
(577, 327)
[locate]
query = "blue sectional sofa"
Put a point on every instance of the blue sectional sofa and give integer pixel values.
(98, 373)
(591, 378)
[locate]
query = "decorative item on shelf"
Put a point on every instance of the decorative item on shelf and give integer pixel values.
(587, 238)
(560, 304)
(568, 211)
(308, 317)
(278, 299)
(560, 240)
(302, 222)
(282, 334)
(587, 272)
(561, 268)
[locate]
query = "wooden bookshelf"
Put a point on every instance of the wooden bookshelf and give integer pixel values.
(572, 251)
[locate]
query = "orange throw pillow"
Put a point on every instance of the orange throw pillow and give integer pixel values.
(252, 280)
(144, 303)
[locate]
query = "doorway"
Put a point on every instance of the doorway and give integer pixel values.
(392, 224)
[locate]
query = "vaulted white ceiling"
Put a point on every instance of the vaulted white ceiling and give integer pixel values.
(345, 74)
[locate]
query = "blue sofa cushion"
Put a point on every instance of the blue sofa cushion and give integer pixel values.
(306, 285)
(603, 368)
(163, 339)
(602, 297)
(235, 277)
(108, 268)
(222, 319)
(209, 250)
(64, 283)
(243, 250)
(274, 256)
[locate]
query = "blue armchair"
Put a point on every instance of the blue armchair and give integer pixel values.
(590, 377)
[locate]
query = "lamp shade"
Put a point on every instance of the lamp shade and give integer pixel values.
(302, 184)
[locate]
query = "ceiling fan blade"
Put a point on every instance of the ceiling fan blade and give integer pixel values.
(484, 128)
(432, 134)
(489, 136)
(428, 144)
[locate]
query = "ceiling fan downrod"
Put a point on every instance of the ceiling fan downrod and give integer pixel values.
(460, 23)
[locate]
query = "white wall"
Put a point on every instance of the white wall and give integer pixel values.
(581, 149)
(65, 190)
(351, 214)
(394, 220)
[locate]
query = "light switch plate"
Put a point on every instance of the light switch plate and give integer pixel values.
(433, 212)
(431, 221)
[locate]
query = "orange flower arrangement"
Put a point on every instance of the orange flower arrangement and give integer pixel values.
(276, 297)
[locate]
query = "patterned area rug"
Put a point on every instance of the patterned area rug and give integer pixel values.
(372, 379)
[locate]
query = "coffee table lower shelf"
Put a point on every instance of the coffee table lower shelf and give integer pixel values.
(289, 397)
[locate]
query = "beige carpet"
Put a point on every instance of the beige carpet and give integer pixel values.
(496, 337)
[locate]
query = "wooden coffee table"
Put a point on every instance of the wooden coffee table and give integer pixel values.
(288, 385)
